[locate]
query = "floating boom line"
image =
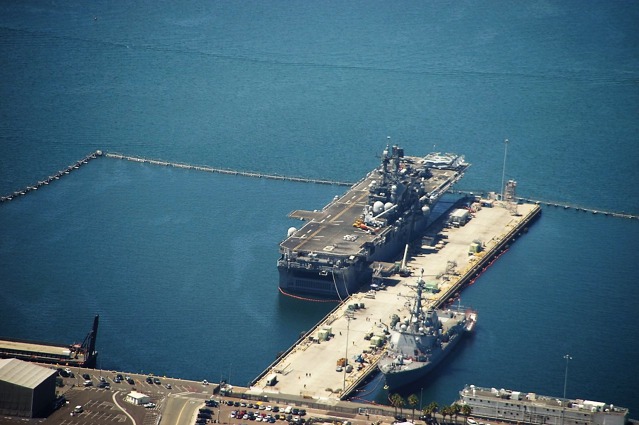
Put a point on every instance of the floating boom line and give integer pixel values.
(206, 168)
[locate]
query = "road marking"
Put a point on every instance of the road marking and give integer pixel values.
(121, 408)
(182, 410)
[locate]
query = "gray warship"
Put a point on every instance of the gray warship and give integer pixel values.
(420, 342)
(331, 255)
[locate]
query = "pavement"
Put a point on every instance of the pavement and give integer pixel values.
(108, 406)
(310, 369)
(307, 376)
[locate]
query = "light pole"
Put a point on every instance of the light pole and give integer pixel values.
(503, 172)
(348, 327)
(567, 357)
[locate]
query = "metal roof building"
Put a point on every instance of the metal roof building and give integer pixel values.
(26, 389)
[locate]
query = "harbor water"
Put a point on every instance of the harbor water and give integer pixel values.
(181, 264)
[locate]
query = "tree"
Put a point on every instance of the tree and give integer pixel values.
(401, 403)
(455, 410)
(466, 410)
(412, 402)
(431, 409)
(396, 401)
(444, 411)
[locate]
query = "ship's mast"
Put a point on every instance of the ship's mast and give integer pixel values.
(417, 306)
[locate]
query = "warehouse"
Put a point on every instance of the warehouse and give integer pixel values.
(26, 389)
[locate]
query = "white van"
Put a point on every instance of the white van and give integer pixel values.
(288, 409)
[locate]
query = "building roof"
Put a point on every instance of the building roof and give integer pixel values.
(552, 403)
(137, 396)
(23, 374)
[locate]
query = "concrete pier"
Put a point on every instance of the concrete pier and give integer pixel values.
(309, 368)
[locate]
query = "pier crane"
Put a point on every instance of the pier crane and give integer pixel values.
(87, 347)
(404, 270)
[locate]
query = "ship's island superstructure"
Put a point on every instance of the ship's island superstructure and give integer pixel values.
(331, 255)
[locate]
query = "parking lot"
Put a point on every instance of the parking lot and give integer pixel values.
(101, 396)
(98, 397)
(116, 381)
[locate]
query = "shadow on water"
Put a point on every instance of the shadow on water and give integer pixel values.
(297, 324)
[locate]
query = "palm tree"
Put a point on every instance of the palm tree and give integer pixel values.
(466, 410)
(412, 402)
(396, 401)
(431, 409)
(401, 403)
(445, 411)
(455, 410)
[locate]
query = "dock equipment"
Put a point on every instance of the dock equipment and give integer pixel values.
(82, 354)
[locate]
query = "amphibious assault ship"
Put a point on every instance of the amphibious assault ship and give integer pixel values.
(332, 254)
(420, 342)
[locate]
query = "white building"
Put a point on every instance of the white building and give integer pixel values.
(137, 398)
(531, 408)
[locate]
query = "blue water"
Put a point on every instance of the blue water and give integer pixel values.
(180, 264)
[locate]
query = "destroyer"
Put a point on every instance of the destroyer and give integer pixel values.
(418, 343)
(331, 255)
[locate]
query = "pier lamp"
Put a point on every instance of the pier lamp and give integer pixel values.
(348, 327)
(567, 357)
(503, 170)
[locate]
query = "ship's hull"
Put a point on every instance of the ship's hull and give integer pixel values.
(340, 282)
(400, 378)
(331, 255)
(336, 283)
